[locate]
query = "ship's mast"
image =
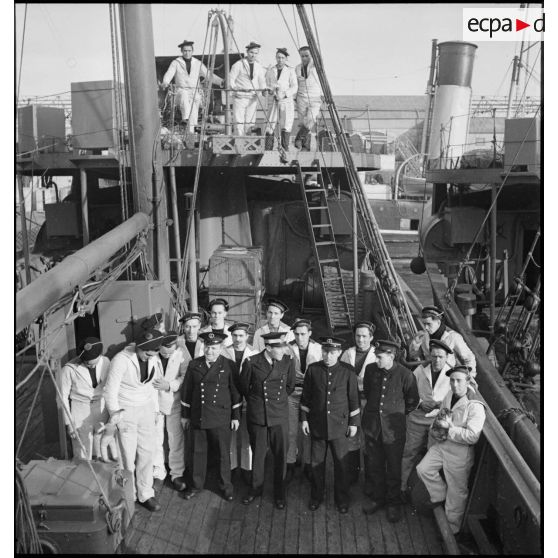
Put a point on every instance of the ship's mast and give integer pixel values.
(148, 189)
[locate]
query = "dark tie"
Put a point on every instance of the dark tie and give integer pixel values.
(251, 70)
(93, 374)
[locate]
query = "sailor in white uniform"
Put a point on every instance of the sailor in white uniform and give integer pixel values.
(454, 452)
(308, 98)
(432, 319)
(218, 308)
(282, 83)
(81, 384)
(238, 352)
(168, 387)
(186, 71)
(129, 387)
(274, 314)
(189, 341)
(305, 351)
(247, 79)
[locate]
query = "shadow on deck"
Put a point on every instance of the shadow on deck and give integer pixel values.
(209, 525)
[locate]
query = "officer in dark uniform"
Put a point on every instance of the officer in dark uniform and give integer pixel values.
(330, 414)
(211, 406)
(267, 379)
(391, 393)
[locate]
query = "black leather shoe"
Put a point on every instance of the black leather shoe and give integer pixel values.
(343, 509)
(179, 484)
(250, 497)
(393, 514)
(280, 504)
(314, 505)
(228, 496)
(190, 493)
(152, 505)
(373, 507)
(431, 505)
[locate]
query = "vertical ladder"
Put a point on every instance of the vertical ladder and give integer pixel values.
(314, 195)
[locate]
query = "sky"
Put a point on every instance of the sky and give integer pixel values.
(368, 49)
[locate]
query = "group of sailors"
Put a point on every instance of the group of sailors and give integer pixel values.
(209, 390)
(250, 82)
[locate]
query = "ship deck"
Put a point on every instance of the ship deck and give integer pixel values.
(208, 524)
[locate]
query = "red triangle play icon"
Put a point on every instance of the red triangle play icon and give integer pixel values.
(519, 25)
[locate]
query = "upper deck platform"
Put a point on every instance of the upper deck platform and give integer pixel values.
(266, 162)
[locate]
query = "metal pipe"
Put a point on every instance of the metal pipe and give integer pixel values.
(355, 258)
(228, 115)
(430, 88)
(49, 287)
(144, 125)
(192, 270)
(24, 236)
(84, 206)
(493, 260)
(512, 84)
(176, 226)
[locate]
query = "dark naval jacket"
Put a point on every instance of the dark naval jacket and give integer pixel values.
(390, 396)
(266, 389)
(210, 397)
(330, 401)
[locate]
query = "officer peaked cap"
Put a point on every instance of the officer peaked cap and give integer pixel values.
(170, 338)
(213, 337)
(90, 348)
(432, 311)
(283, 50)
(436, 344)
(186, 43)
(239, 325)
(253, 45)
(278, 304)
(459, 368)
(386, 346)
(149, 340)
(221, 301)
(331, 342)
(275, 339)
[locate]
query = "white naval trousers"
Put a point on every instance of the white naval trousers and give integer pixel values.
(283, 112)
(456, 460)
(88, 417)
(189, 105)
(244, 115)
(245, 449)
(175, 436)
(136, 436)
(308, 109)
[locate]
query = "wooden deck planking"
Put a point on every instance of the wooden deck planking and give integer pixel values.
(207, 525)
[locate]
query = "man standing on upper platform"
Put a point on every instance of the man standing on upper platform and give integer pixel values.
(308, 98)
(186, 71)
(247, 79)
(281, 81)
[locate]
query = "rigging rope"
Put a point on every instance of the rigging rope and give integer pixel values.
(21, 55)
